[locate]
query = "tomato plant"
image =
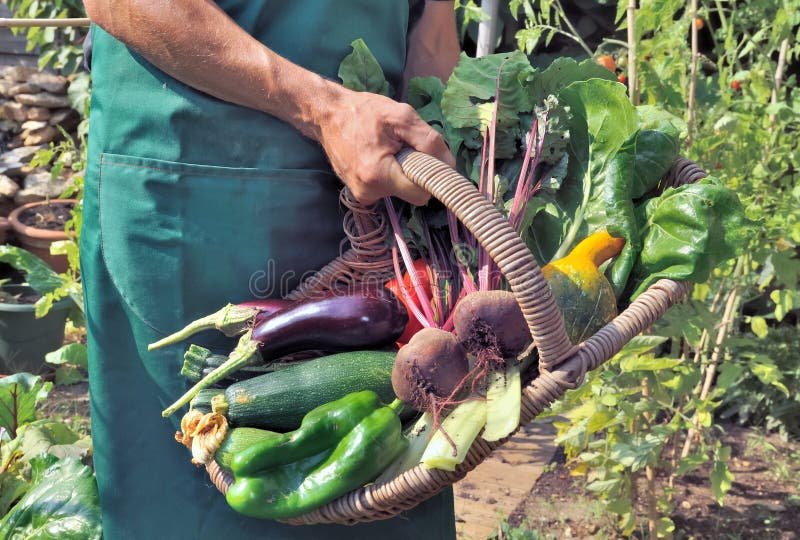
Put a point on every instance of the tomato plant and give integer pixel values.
(651, 412)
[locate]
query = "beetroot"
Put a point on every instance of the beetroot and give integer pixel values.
(429, 368)
(429, 372)
(491, 326)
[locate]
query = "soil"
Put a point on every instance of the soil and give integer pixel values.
(69, 403)
(8, 298)
(49, 217)
(763, 503)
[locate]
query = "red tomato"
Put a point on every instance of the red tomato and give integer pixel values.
(421, 271)
(736, 85)
(622, 78)
(698, 22)
(607, 62)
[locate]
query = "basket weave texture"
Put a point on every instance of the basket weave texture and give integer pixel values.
(561, 364)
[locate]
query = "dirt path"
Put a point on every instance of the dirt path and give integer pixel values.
(497, 486)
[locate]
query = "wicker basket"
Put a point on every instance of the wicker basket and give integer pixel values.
(561, 365)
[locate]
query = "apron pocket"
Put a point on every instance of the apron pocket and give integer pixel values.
(181, 240)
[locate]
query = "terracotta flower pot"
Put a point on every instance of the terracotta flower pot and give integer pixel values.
(38, 241)
(4, 226)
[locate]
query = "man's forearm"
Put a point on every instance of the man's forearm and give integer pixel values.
(197, 43)
(433, 47)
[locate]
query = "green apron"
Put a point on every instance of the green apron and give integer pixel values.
(190, 203)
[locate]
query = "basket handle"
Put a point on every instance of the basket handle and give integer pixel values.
(503, 244)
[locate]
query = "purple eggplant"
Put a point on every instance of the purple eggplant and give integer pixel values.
(231, 320)
(364, 319)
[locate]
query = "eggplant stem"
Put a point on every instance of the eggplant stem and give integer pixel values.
(231, 320)
(244, 353)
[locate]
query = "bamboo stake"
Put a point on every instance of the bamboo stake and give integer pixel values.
(650, 475)
(34, 23)
(731, 307)
(778, 79)
(692, 75)
(633, 83)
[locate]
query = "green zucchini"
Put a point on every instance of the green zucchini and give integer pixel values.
(278, 401)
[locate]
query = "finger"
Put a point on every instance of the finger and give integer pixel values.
(420, 136)
(404, 188)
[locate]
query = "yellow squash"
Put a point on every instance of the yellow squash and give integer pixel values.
(585, 296)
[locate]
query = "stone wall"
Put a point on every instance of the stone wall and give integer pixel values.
(33, 105)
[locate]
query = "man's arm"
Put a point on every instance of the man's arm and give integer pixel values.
(198, 44)
(433, 47)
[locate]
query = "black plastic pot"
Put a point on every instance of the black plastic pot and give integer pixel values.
(24, 339)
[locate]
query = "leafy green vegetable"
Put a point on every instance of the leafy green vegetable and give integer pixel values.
(503, 403)
(425, 95)
(471, 90)
(43, 437)
(602, 119)
(62, 503)
(462, 426)
(688, 231)
(564, 71)
(19, 394)
(644, 158)
(360, 71)
(11, 489)
(651, 117)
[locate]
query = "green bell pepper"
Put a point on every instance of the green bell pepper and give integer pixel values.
(339, 447)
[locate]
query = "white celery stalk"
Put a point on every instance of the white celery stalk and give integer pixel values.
(503, 403)
(462, 425)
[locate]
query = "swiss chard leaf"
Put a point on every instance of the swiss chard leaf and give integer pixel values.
(11, 489)
(688, 231)
(44, 437)
(601, 120)
(651, 117)
(469, 99)
(360, 71)
(19, 394)
(425, 95)
(636, 168)
(564, 71)
(62, 503)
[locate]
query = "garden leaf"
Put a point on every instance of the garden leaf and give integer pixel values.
(72, 361)
(19, 394)
(564, 71)
(721, 476)
(469, 96)
(11, 489)
(360, 71)
(689, 231)
(38, 274)
(644, 158)
(601, 120)
(62, 503)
